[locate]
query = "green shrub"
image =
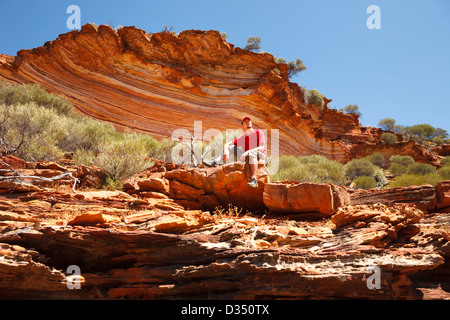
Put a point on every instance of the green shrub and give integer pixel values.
(388, 138)
(36, 125)
(121, 158)
(387, 124)
(313, 97)
(359, 167)
(444, 172)
(408, 180)
(403, 160)
(365, 182)
(34, 132)
(446, 161)
(438, 140)
(22, 94)
(398, 169)
(379, 177)
(163, 150)
(419, 132)
(112, 184)
(351, 108)
(376, 158)
(30, 132)
(84, 133)
(314, 169)
(421, 168)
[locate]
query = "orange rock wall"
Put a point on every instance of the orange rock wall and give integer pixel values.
(161, 82)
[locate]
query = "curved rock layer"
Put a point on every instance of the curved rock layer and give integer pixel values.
(162, 82)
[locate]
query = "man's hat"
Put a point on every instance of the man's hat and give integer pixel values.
(242, 121)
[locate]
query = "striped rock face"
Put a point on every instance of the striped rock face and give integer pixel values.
(162, 82)
(195, 81)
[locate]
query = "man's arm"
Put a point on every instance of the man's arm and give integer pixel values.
(226, 148)
(260, 148)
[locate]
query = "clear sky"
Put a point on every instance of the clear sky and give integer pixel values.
(401, 71)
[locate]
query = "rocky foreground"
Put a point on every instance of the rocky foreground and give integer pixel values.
(156, 239)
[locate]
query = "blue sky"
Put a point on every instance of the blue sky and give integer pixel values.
(401, 71)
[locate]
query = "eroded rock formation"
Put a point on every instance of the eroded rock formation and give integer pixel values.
(143, 244)
(161, 82)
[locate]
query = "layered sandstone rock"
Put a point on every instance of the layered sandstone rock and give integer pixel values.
(292, 197)
(139, 245)
(443, 194)
(168, 253)
(162, 82)
(208, 188)
(424, 197)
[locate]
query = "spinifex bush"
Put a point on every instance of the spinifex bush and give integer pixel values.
(376, 158)
(403, 160)
(21, 94)
(33, 132)
(444, 172)
(314, 169)
(122, 157)
(407, 180)
(388, 138)
(365, 182)
(36, 125)
(359, 167)
(421, 168)
(398, 169)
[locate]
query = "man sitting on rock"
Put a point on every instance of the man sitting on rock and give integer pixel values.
(249, 147)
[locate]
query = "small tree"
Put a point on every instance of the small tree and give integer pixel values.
(253, 44)
(419, 132)
(314, 97)
(387, 124)
(421, 168)
(351, 108)
(376, 158)
(294, 67)
(365, 182)
(359, 167)
(403, 160)
(169, 29)
(388, 138)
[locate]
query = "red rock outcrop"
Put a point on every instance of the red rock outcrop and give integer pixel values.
(161, 82)
(141, 245)
(292, 197)
(205, 188)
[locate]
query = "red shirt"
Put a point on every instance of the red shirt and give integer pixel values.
(251, 141)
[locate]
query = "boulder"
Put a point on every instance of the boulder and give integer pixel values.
(160, 185)
(424, 196)
(212, 187)
(8, 162)
(93, 177)
(294, 197)
(443, 194)
(88, 218)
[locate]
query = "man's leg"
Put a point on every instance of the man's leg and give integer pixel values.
(233, 150)
(253, 163)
